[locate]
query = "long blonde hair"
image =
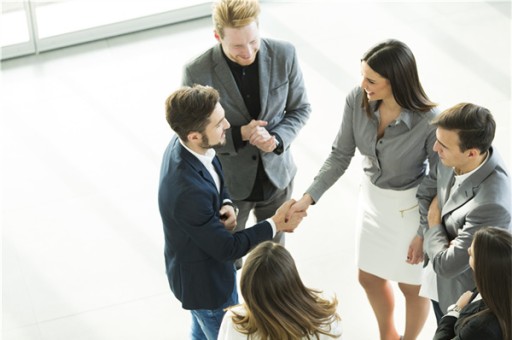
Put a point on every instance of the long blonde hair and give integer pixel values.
(278, 305)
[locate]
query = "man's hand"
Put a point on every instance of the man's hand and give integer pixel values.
(248, 130)
(256, 134)
(228, 217)
(434, 213)
(280, 217)
(265, 144)
(300, 206)
(415, 252)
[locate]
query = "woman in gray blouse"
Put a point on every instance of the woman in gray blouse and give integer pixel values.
(387, 119)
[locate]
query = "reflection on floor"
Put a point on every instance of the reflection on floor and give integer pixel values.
(84, 131)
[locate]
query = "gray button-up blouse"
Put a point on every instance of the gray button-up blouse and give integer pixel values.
(399, 160)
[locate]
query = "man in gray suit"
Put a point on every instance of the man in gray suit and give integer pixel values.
(262, 91)
(473, 191)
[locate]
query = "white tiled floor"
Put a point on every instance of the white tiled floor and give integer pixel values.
(83, 132)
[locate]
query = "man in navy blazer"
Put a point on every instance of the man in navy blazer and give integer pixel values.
(473, 191)
(262, 91)
(198, 214)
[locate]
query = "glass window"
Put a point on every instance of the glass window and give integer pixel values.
(65, 16)
(31, 26)
(14, 23)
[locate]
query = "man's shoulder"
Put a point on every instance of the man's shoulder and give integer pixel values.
(494, 173)
(179, 164)
(277, 43)
(201, 60)
(496, 162)
(182, 185)
(491, 184)
(278, 46)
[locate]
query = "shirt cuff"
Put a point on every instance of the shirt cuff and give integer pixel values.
(273, 225)
(453, 313)
(227, 201)
(236, 133)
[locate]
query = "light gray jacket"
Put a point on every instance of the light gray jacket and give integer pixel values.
(284, 105)
(483, 199)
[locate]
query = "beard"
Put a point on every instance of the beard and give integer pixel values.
(205, 143)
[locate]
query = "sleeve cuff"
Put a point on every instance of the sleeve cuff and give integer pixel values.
(236, 133)
(279, 149)
(453, 313)
(229, 202)
(273, 225)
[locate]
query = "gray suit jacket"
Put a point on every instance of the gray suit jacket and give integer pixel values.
(483, 199)
(284, 105)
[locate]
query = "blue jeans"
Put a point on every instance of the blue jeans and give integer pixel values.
(206, 322)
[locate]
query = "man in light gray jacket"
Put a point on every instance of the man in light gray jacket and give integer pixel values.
(473, 191)
(262, 92)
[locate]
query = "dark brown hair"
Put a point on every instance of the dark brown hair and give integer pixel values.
(189, 109)
(492, 256)
(393, 60)
(474, 125)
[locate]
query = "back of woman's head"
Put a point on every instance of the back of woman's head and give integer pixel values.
(393, 60)
(278, 304)
(492, 256)
(270, 280)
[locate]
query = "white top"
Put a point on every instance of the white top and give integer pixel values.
(229, 332)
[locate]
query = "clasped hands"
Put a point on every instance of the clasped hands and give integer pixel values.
(256, 134)
(282, 222)
(297, 209)
(285, 219)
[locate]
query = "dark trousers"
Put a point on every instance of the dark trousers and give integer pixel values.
(262, 210)
(437, 311)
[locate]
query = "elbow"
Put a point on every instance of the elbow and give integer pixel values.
(447, 274)
(448, 270)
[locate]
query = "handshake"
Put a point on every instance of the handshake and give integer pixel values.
(291, 213)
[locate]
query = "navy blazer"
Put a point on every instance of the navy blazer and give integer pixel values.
(199, 251)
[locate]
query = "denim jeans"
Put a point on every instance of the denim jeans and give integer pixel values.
(206, 322)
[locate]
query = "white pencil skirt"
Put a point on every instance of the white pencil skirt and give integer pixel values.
(387, 221)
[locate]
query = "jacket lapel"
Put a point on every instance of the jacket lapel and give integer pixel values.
(227, 81)
(466, 191)
(218, 168)
(458, 197)
(196, 165)
(444, 187)
(264, 67)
